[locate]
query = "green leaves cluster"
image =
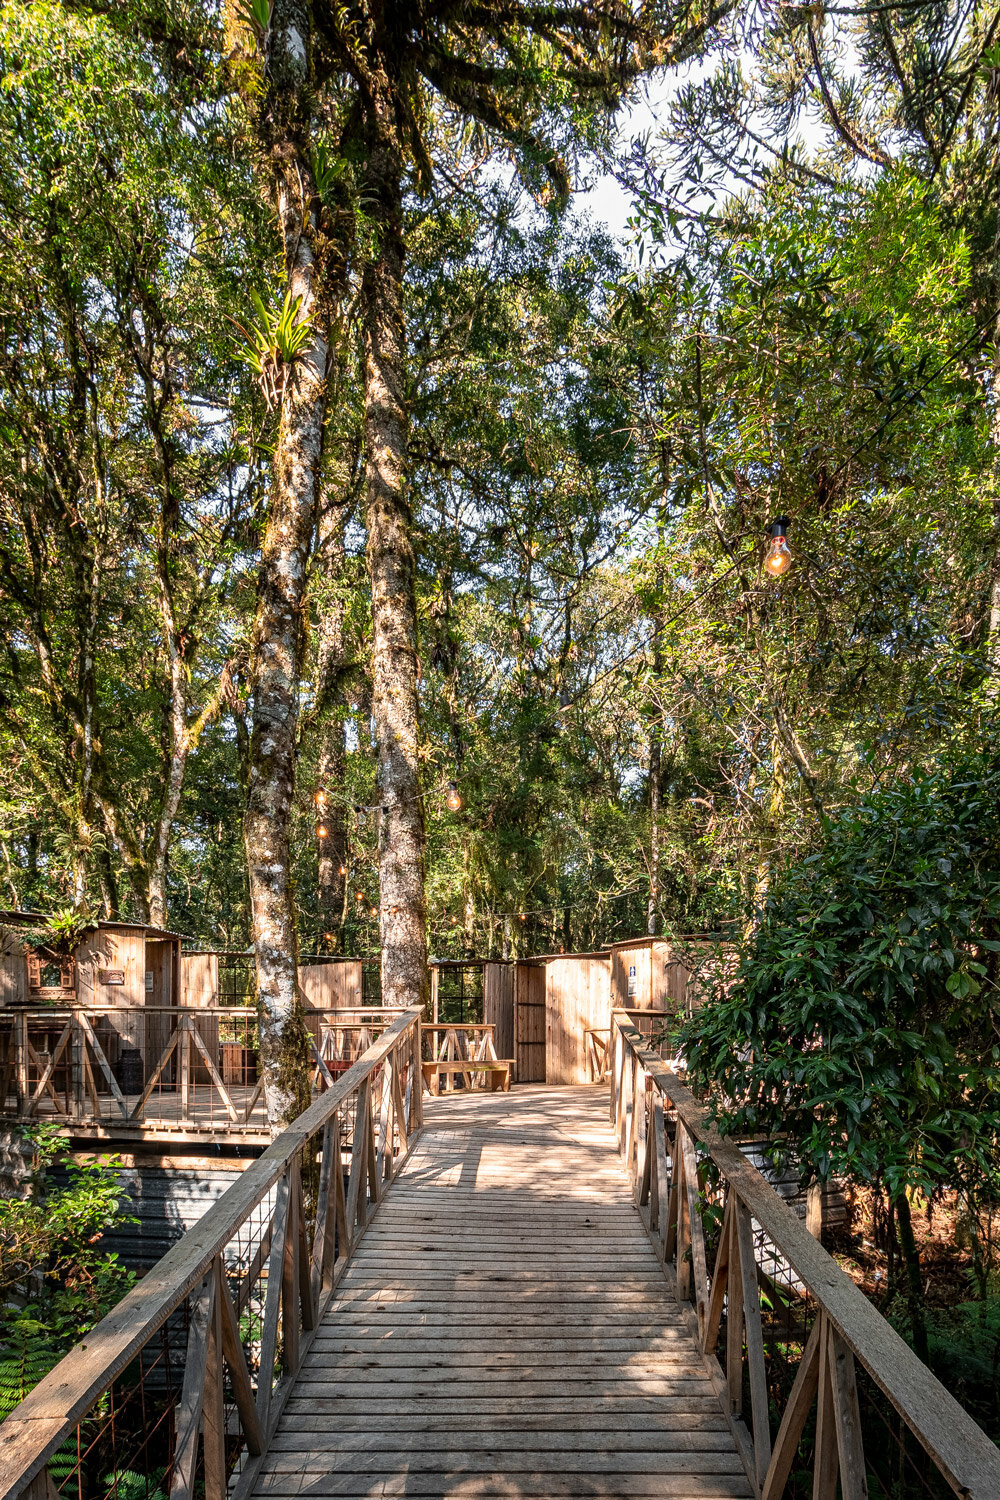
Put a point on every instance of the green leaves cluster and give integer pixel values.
(272, 345)
(56, 1282)
(862, 1027)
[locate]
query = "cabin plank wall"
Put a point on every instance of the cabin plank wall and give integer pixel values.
(577, 997)
(166, 1196)
(332, 986)
(199, 979)
(13, 979)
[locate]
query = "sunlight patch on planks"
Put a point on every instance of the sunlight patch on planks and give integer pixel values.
(504, 1329)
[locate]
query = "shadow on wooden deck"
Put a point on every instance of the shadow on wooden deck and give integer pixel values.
(505, 1329)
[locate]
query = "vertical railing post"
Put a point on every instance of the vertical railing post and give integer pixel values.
(417, 1084)
(184, 1049)
(76, 1071)
(189, 1410)
(21, 1063)
(272, 1300)
(213, 1415)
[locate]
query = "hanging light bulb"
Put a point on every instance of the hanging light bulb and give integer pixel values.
(319, 797)
(453, 799)
(321, 830)
(521, 917)
(454, 920)
(343, 870)
(359, 896)
(373, 912)
(777, 558)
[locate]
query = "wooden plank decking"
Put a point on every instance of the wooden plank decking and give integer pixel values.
(504, 1329)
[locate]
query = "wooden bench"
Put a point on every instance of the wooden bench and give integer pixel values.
(497, 1072)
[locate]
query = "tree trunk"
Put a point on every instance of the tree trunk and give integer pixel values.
(402, 921)
(653, 905)
(993, 599)
(277, 640)
(177, 757)
(331, 846)
(331, 663)
(109, 885)
(86, 571)
(914, 1284)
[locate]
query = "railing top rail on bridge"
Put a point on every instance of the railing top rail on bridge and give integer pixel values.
(296, 1273)
(669, 1183)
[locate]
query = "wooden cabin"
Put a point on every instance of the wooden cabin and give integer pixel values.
(550, 1011)
(128, 969)
(655, 973)
(119, 964)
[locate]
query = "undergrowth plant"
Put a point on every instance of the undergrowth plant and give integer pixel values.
(861, 1031)
(56, 1281)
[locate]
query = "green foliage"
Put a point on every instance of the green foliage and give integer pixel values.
(28, 1354)
(55, 1280)
(270, 346)
(964, 1353)
(256, 16)
(328, 169)
(62, 931)
(862, 1027)
(126, 1484)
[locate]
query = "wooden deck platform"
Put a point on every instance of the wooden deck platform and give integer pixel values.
(505, 1329)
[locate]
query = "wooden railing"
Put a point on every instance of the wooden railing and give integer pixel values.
(341, 1036)
(783, 1328)
(187, 1376)
(442, 1041)
(656, 1027)
(451, 1050)
(172, 1068)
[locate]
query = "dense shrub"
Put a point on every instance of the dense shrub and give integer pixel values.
(863, 1023)
(55, 1280)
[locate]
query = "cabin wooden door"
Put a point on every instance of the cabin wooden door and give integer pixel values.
(529, 1023)
(498, 1006)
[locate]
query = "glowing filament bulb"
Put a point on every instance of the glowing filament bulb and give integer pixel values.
(321, 830)
(777, 558)
(453, 799)
(343, 870)
(319, 797)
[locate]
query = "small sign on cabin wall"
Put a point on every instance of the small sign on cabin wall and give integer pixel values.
(149, 981)
(631, 981)
(111, 976)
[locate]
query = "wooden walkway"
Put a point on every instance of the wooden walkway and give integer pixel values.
(504, 1329)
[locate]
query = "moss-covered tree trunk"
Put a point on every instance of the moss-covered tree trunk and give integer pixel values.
(331, 670)
(402, 923)
(277, 641)
(914, 1282)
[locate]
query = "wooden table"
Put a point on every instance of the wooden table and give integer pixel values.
(496, 1070)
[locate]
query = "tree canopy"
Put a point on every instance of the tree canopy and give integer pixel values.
(345, 458)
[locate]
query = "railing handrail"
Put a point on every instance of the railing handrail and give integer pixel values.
(57, 1007)
(104, 1008)
(962, 1451)
(458, 1026)
(48, 1414)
